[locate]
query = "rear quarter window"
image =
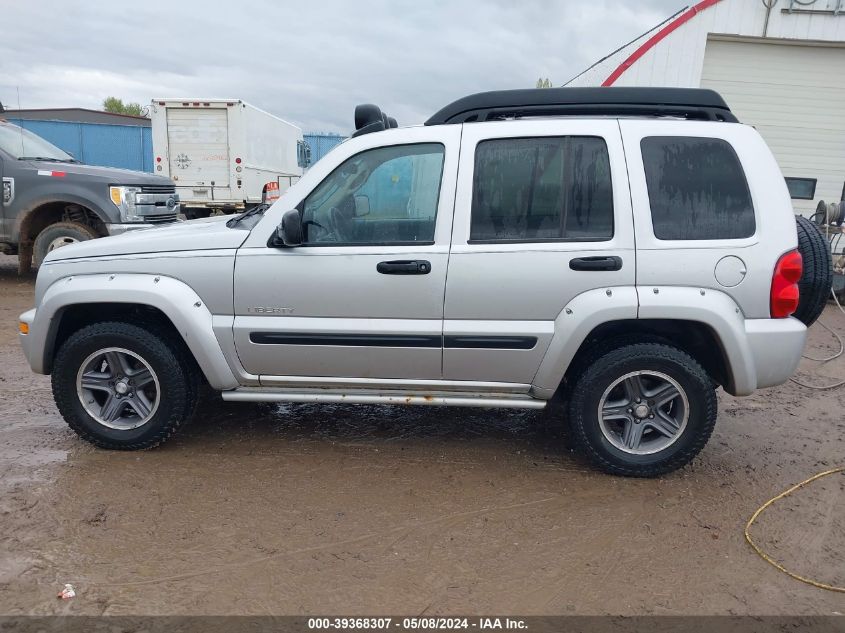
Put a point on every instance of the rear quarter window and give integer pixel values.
(697, 189)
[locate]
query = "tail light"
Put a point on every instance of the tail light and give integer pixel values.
(784, 297)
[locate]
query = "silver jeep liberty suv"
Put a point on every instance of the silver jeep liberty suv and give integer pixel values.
(628, 249)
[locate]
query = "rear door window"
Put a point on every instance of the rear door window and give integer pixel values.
(697, 189)
(542, 190)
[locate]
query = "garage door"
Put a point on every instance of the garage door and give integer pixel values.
(794, 94)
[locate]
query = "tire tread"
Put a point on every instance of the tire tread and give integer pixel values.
(624, 354)
(817, 275)
(184, 383)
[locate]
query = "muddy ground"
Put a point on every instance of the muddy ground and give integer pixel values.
(301, 509)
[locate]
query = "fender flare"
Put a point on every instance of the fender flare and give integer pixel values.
(175, 299)
(716, 310)
(584, 313)
(593, 308)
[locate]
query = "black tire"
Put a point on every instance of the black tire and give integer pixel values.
(817, 276)
(178, 382)
(68, 232)
(587, 392)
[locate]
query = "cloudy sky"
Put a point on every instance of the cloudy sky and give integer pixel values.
(308, 62)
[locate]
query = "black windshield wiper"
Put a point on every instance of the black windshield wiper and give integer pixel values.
(258, 209)
(49, 158)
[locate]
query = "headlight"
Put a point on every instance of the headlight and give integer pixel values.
(124, 199)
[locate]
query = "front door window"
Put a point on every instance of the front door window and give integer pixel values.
(381, 196)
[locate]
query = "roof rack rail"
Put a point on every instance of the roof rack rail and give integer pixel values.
(688, 103)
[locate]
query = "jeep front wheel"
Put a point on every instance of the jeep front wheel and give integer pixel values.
(642, 410)
(121, 386)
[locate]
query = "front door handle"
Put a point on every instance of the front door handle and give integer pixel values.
(608, 262)
(405, 267)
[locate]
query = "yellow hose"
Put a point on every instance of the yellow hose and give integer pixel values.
(768, 558)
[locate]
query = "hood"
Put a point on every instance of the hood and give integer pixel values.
(193, 235)
(108, 175)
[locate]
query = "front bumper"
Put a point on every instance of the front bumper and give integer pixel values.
(117, 229)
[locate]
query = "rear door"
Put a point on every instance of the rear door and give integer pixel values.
(542, 214)
(198, 141)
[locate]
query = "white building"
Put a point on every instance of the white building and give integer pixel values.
(779, 64)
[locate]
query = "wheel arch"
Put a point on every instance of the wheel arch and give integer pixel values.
(696, 338)
(44, 212)
(76, 301)
(710, 319)
(73, 317)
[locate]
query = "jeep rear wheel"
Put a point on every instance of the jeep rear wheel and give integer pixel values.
(642, 410)
(121, 386)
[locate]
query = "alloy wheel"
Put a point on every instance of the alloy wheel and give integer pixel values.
(643, 412)
(118, 388)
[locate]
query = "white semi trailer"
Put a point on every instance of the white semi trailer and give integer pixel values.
(220, 153)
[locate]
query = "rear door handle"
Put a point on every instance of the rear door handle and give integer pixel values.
(404, 267)
(609, 262)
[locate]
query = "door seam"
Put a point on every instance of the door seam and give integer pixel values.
(449, 254)
(633, 213)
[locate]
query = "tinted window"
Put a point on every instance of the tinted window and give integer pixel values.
(542, 189)
(697, 189)
(382, 196)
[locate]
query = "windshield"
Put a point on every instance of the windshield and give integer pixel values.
(21, 143)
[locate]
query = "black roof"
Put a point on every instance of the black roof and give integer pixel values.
(690, 103)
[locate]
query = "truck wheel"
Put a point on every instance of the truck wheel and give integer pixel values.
(123, 387)
(642, 410)
(58, 235)
(817, 275)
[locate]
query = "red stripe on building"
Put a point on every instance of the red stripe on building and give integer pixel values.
(651, 42)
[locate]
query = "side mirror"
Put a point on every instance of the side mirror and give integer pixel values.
(289, 232)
